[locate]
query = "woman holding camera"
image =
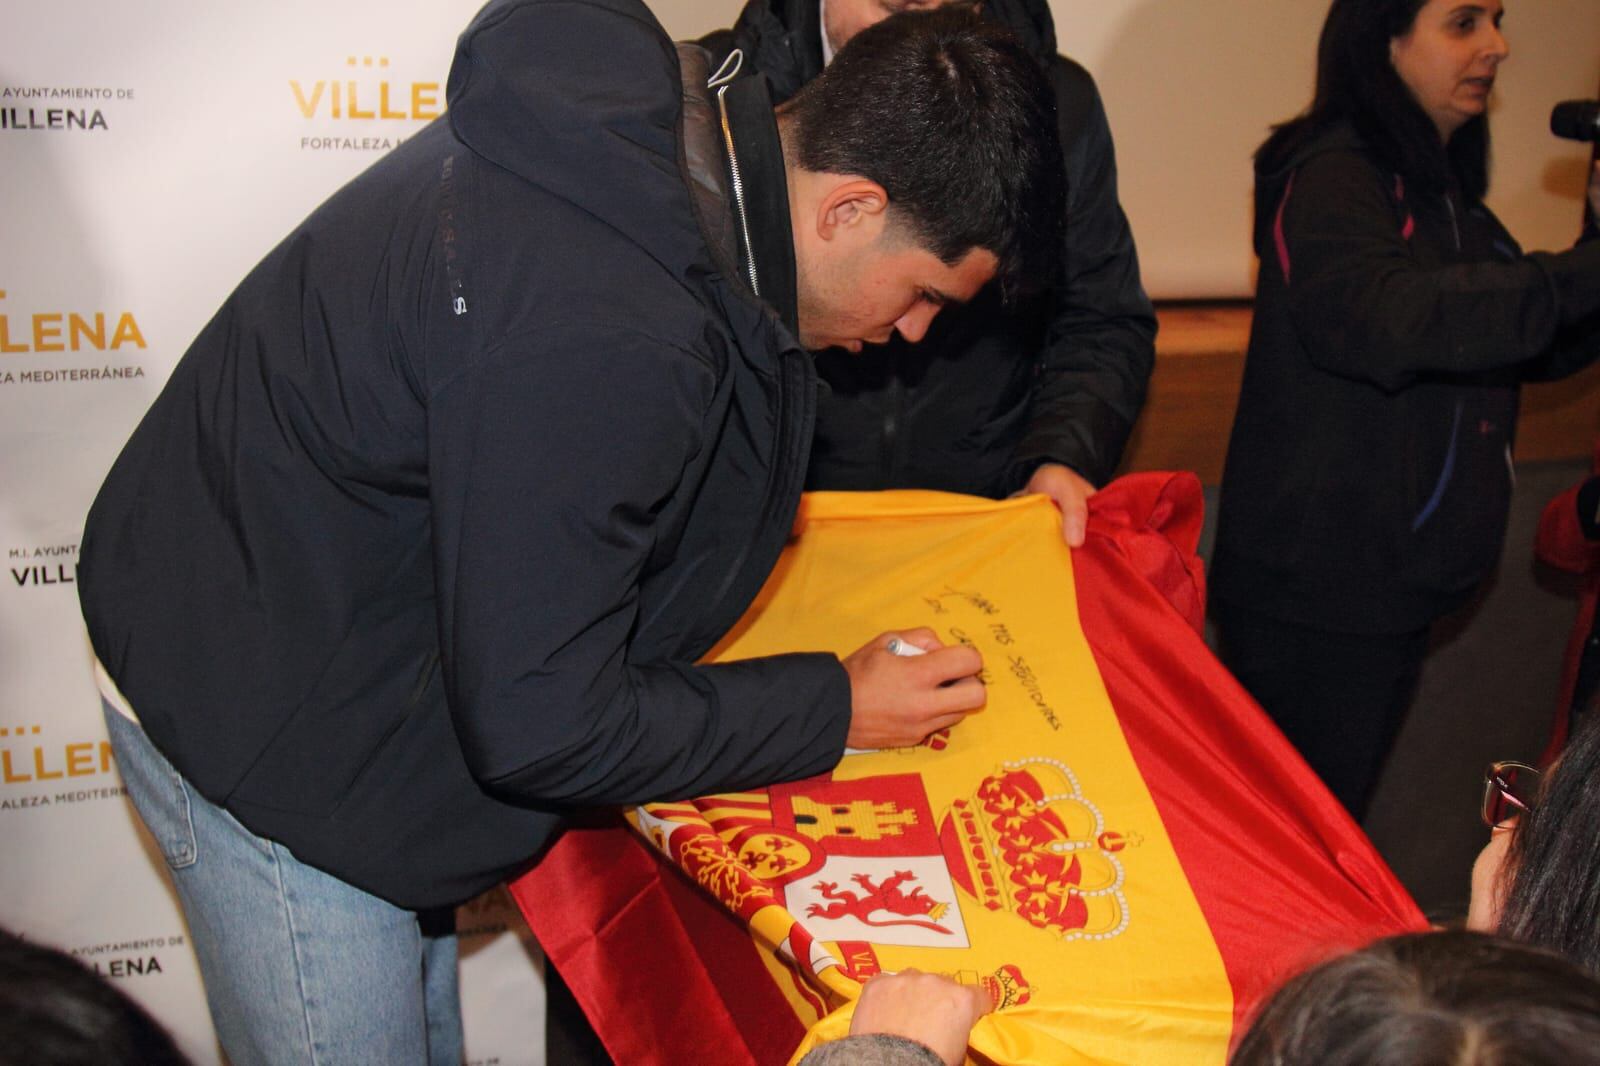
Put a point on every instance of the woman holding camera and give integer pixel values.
(1368, 476)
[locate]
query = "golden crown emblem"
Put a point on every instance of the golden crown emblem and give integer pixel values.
(1029, 841)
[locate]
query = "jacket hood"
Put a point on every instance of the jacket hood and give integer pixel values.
(581, 98)
(782, 38)
(1273, 168)
(1337, 137)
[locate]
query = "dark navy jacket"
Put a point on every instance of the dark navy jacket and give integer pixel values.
(1368, 476)
(417, 547)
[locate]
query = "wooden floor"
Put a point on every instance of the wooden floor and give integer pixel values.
(1195, 389)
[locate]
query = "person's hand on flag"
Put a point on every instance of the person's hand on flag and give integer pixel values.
(897, 700)
(1069, 491)
(934, 1011)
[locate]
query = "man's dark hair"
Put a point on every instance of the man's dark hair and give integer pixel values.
(56, 1012)
(1452, 998)
(1357, 83)
(1553, 865)
(956, 121)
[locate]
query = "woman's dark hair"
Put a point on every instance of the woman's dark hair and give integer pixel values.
(56, 1012)
(1451, 998)
(1357, 83)
(956, 120)
(1553, 865)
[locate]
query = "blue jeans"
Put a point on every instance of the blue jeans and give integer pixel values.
(299, 967)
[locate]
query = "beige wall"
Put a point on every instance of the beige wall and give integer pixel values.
(1192, 85)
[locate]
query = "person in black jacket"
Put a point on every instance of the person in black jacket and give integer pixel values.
(416, 552)
(1037, 397)
(1369, 475)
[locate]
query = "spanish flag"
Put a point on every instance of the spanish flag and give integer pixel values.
(1120, 848)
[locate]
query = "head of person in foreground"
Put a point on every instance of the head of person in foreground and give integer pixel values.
(1452, 998)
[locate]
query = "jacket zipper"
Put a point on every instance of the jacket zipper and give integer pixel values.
(720, 81)
(797, 383)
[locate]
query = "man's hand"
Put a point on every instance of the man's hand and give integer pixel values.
(932, 1010)
(1071, 491)
(896, 701)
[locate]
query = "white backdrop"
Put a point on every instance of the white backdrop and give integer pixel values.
(154, 151)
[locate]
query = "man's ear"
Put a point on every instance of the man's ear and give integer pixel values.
(853, 207)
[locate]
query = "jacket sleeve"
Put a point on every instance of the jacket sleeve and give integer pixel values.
(1576, 345)
(1365, 309)
(1100, 342)
(551, 460)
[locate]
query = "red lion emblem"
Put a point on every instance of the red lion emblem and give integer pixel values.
(884, 897)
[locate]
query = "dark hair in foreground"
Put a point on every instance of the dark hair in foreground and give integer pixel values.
(1553, 867)
(1450, 998)
(956, 121)
(1357, 82)
(56, 1012)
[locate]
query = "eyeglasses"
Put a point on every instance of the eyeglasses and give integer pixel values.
(1509, 789)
